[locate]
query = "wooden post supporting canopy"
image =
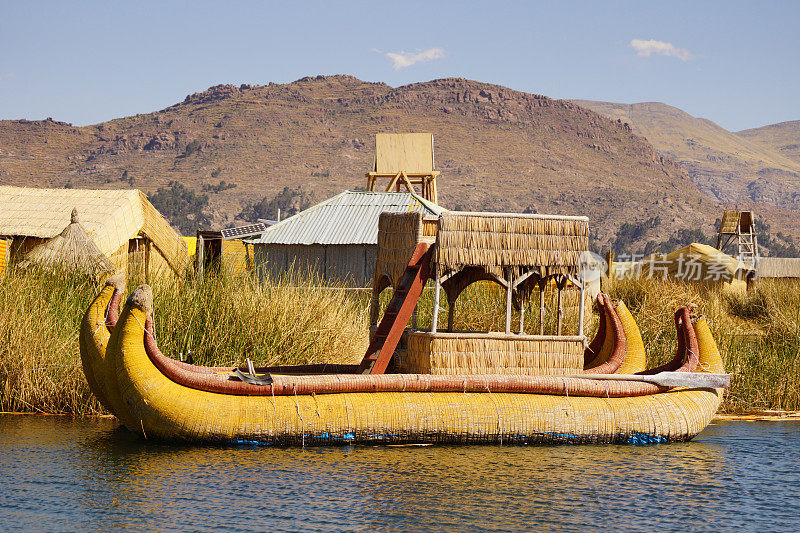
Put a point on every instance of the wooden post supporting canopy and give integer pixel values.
(437, 289)
(542, 285)
(509, 286)
(582, 303)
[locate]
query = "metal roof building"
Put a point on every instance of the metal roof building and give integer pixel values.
(335, 240)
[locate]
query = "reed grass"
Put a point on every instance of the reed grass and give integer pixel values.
(228, 317)
(758, 334)
(221, 320)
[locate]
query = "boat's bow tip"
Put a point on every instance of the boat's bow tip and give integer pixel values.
(117, 280)
(142, 298)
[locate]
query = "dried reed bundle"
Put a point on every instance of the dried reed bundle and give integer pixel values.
(471, 353)
(510, 240)
(398, 236)
(72, 249)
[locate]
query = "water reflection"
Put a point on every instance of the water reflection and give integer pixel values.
(59, 473)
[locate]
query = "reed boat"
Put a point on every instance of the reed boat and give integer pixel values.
(430, 386)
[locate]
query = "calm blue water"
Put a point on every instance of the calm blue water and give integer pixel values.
(61, 474)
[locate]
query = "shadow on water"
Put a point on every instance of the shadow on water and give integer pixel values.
(61, 473)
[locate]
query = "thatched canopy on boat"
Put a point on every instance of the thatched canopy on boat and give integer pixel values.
(510, 240)
(71, 249)
(518, 251)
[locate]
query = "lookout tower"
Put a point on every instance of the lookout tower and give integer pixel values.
(406, 160)
(739, 227)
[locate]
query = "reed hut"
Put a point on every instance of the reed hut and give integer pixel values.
(213, 251)
(523, 254)
(779, 267)
(122, 224)
(695, 263)
(72, 249)
(335, 241)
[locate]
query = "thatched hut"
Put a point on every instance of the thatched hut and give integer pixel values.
(694, 263)
(779, 267)
(335, 240)
(521, 253)
(122, 224)
(71, 249)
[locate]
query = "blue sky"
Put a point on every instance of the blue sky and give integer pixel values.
(736, 63)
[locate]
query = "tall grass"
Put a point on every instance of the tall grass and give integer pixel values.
(758, 334)
(222, 320)
(229, 317)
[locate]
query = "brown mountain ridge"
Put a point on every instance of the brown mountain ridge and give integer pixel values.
(498, 149)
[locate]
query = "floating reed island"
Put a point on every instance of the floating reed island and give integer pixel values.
(433, 385)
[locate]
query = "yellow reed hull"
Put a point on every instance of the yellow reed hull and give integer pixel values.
(158, 408)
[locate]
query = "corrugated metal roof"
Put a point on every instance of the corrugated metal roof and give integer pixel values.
(348, 218)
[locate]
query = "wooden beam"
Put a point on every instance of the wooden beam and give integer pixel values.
(560, 312)
(451, 316)
(393, 182)
(437, 289)
(200, 253)
(510, 284)
(542, 285)
(582, 304)
(147, 261)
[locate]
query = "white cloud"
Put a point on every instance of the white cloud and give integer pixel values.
(648, 48)
(406, 59)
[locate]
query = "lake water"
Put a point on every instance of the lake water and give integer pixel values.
(59, 474)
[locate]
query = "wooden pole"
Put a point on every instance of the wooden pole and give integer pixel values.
(560, 310)
(437, 288)
(542, 284)
(451, 311)
(582, 304)
(521, 315)
(200, 253)
(509, 288)
(147, 246)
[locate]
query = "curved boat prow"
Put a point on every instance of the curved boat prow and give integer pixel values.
(94, 333)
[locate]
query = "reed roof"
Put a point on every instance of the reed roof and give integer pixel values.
(110, 218)
(72, 249)
(694, 262)
(735, 222)
(779, 267)
(510, 240)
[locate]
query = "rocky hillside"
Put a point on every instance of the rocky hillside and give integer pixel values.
(783, 138)
(729, 167)
(498, 149)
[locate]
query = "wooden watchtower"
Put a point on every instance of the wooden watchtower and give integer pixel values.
(739, 227)
(406, 160)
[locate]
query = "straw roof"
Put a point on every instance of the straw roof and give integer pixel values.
(72, 249)
(506, 239)
(779, 267)
(695, 262)
(736, 221)
(110, 218)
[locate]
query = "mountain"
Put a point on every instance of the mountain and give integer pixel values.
(498, 149)
(728, 167)
(783, 138)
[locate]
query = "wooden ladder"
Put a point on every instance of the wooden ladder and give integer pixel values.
(398, 312)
